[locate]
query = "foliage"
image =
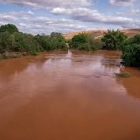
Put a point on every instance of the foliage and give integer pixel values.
(26, 43)
(57, 41)
(11, 40)
(131, 52)
(9, 28)
(54, 41)
(113, 40)
(84, 41)
(6, 41)
(43, 41)
(122, 75)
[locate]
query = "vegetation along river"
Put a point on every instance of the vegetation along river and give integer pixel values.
(69, 96)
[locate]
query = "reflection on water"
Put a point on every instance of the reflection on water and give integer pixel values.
(69, 95)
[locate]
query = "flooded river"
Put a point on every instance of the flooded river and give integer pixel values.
(69, 96)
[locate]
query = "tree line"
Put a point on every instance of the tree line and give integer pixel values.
(12, 40)
(111, 40)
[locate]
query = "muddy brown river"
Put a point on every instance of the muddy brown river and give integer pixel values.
(69, 96)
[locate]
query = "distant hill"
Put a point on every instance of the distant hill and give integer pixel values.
(99, 33)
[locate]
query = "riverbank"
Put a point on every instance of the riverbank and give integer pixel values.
(8, 55)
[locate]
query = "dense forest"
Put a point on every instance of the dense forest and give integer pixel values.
(16, 42)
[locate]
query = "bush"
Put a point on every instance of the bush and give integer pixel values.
(84, 41)
(113, 40)
(11, 40)
(54, 41)
(131, 55)
(7, 41)
(131, 52)
(9, 28)
(26, 43)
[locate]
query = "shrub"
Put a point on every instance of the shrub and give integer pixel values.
(113, 40)
(131, 52)
(84, 41)
(9, 28)
(54, 41)
(131, 55)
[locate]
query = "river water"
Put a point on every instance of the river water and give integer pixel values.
(70, 95)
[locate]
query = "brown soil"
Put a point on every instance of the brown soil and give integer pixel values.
(99, 33)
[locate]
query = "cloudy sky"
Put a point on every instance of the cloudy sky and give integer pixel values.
(45, 16)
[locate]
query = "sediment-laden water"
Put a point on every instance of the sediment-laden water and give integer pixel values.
(69, 96)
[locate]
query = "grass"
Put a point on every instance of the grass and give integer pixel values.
(123, 75)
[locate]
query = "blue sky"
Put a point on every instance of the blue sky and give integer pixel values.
(46, 16)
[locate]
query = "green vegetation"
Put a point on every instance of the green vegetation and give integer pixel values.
(54, 41)
(122, 75)
(15, 44)
(113, 40)
(11, 40)
(85, 41)
(9, 28)
(131, 52)
(130, 47)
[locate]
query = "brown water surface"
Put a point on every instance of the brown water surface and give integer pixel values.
(69, 96)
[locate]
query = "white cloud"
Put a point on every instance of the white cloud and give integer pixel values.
(66, 16)
(135, 11)
(27, 22)
(49, 3)
(89, 15)
(122, 2)
(120, 13)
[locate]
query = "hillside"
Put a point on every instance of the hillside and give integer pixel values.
(99, 33)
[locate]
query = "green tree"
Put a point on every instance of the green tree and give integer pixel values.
(26, 43)
(54, 41)
(113, 40)
(7, 42)
(43, 40)
(57, 41)
(9, 28)
(131, 52)
(84, 41)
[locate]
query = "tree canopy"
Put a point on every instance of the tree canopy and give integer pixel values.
(9, 28)
(11, 40)
(85, 41)
(131, 52)
(113, 40)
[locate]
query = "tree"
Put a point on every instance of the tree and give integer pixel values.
(7, 42)
(54, 41)
(131, 52)
(43, 41)
(26, 43)
(113, 40)
(57, 41)
(84, 41)
(9, 28)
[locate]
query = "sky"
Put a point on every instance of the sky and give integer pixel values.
(46, 16)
